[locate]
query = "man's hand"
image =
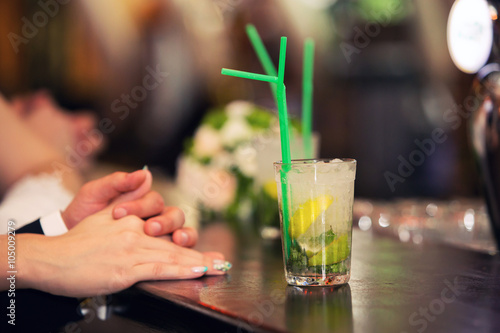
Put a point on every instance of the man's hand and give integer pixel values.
(119, 187)
(130, 194)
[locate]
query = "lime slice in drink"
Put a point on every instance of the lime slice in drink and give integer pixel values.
(307, 213)
(337, 251)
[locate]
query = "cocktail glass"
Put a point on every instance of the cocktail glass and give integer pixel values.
(317, 237)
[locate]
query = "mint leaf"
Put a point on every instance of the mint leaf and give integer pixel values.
(324, 239)
(340, 268)
(297, 261)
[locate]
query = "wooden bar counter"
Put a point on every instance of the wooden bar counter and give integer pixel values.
(394, 287)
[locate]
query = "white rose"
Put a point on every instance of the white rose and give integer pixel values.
(235, 131)
(207, 142)
(239, 109)
(246, 160)
(223, 160)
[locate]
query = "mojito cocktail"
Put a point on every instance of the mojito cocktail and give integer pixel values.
(316, 220)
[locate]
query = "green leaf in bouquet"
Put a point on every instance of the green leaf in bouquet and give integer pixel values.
(188, 146)
(266, 212)
(296, 125)
(243, 192)
(205, 160)
(260, 119)
(215, 119)
(244, 183)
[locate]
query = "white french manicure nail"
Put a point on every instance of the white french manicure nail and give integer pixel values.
(199, 269)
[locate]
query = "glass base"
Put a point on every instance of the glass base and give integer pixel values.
(318, 280)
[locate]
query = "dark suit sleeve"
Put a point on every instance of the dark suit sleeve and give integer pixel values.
(37, 311)
(32, 228)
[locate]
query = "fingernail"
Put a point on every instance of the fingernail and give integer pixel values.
(145, 167)
(221, 265)
(155, 227)
(120, 212)
(199, 269)
(184, 238)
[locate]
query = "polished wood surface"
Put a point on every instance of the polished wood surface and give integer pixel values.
(394, 287)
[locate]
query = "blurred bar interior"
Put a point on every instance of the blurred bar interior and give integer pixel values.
(384, 79)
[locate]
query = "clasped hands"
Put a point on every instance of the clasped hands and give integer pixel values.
(117, 236)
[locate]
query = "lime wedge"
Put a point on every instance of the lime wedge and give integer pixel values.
(337, 251)
(307, 213)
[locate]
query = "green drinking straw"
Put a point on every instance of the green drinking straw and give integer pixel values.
(285, 143)
(283, 121)
(285, 156)
(282, 107)
(266, 63)
(248, 75)
(307, 97)
(263, 56)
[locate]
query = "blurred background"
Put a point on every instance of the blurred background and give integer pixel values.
(383, 77)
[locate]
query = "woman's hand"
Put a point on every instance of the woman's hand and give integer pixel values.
(102, 255)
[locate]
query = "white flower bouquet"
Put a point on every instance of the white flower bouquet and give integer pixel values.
(226, 168)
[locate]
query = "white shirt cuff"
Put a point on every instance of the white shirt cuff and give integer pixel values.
(31, 197)
(53, 224)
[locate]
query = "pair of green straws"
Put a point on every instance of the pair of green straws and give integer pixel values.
(307, 82)
(276, 81)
